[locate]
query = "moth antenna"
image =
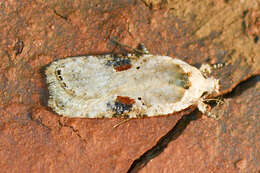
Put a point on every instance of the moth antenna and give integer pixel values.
(218, 100)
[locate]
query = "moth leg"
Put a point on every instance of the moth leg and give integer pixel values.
(206, 69)
(121, 122)
(142, 48)
(205, 109)
(218, 65)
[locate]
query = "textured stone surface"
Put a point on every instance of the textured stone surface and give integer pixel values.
(34, 33)
(228, 29)
(230, 144)
(41, 141)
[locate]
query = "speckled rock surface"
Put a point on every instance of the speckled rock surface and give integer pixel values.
(34, 33)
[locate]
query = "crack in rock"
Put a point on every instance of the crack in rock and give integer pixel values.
(173, 134)
(180, 126)
(74, 130)
(60, 15)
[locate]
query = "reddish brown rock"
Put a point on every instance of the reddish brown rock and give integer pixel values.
(35, 139)
(252, 23)
(230, 144)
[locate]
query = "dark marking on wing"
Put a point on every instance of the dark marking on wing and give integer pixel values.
(121, 106)
(125, 100)
(123, 67)
(119, 62)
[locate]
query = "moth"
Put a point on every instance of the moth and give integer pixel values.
(131, 86)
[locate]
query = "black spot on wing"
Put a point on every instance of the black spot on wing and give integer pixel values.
(120, 109)
(118, 60)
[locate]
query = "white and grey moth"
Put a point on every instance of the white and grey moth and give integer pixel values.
(132, 85)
